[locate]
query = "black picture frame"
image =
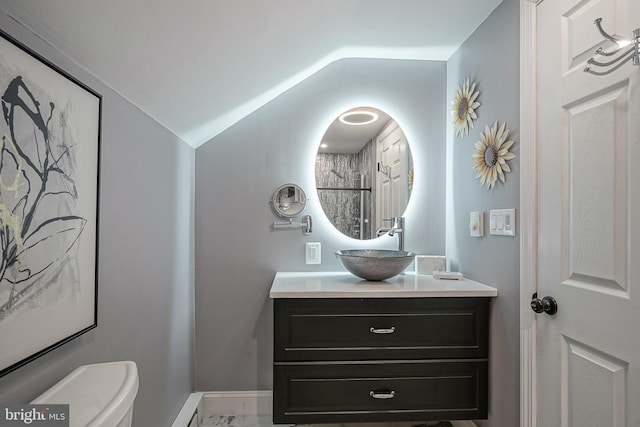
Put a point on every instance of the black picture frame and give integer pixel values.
(50, 132)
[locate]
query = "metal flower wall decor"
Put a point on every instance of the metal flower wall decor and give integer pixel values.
(491, 155)
(463, 107)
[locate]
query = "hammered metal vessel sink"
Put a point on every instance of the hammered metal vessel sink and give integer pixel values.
(375, 264)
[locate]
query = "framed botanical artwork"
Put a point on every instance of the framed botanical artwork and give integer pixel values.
(49, 178)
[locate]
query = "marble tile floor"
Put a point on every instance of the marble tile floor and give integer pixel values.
(265, 421)
(237, 421)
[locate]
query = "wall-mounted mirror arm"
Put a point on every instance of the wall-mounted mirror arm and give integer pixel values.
(306, 224)
(288, 201)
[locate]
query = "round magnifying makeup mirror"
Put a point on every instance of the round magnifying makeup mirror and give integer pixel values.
(364, 172)
(288, 200)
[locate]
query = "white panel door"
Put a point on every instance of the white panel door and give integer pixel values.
(588, 211)
(383, 182)
(392, 190)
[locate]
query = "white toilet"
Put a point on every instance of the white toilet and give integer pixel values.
(99, 395)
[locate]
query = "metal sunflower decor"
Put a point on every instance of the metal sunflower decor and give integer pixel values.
(491, 155)
(463, 107)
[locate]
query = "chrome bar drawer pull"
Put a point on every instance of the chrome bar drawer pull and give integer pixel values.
(382, 330)
(382, 395)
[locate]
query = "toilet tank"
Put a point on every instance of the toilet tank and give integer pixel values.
(99, 395)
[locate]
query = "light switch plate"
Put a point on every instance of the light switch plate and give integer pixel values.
(476, 224)
(502, 222)
(313, 253)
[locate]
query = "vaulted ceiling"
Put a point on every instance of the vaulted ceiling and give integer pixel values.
(199, 66)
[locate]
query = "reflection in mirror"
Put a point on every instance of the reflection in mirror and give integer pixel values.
(288, 200)
(364, 172)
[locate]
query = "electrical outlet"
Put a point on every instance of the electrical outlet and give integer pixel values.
(313, 253)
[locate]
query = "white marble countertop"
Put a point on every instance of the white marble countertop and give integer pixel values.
(346, 285)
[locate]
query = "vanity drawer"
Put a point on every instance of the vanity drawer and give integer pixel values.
(379, 391)
(380, 329)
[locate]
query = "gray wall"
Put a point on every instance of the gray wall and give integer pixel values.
(237, 252)
(490, 57)
(145, 307)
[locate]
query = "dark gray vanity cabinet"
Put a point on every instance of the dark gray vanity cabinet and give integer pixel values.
(380, 359)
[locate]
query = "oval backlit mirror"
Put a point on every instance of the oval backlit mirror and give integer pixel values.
(364, 172)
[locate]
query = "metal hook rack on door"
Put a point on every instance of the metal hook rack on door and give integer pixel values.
(632, 54)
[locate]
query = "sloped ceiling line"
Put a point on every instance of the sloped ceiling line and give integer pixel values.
(199, 66)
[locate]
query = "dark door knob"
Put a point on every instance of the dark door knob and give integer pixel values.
(547, 304)
(536, 304)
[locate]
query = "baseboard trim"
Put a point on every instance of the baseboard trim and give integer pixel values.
(193, 405)
(237, 403)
